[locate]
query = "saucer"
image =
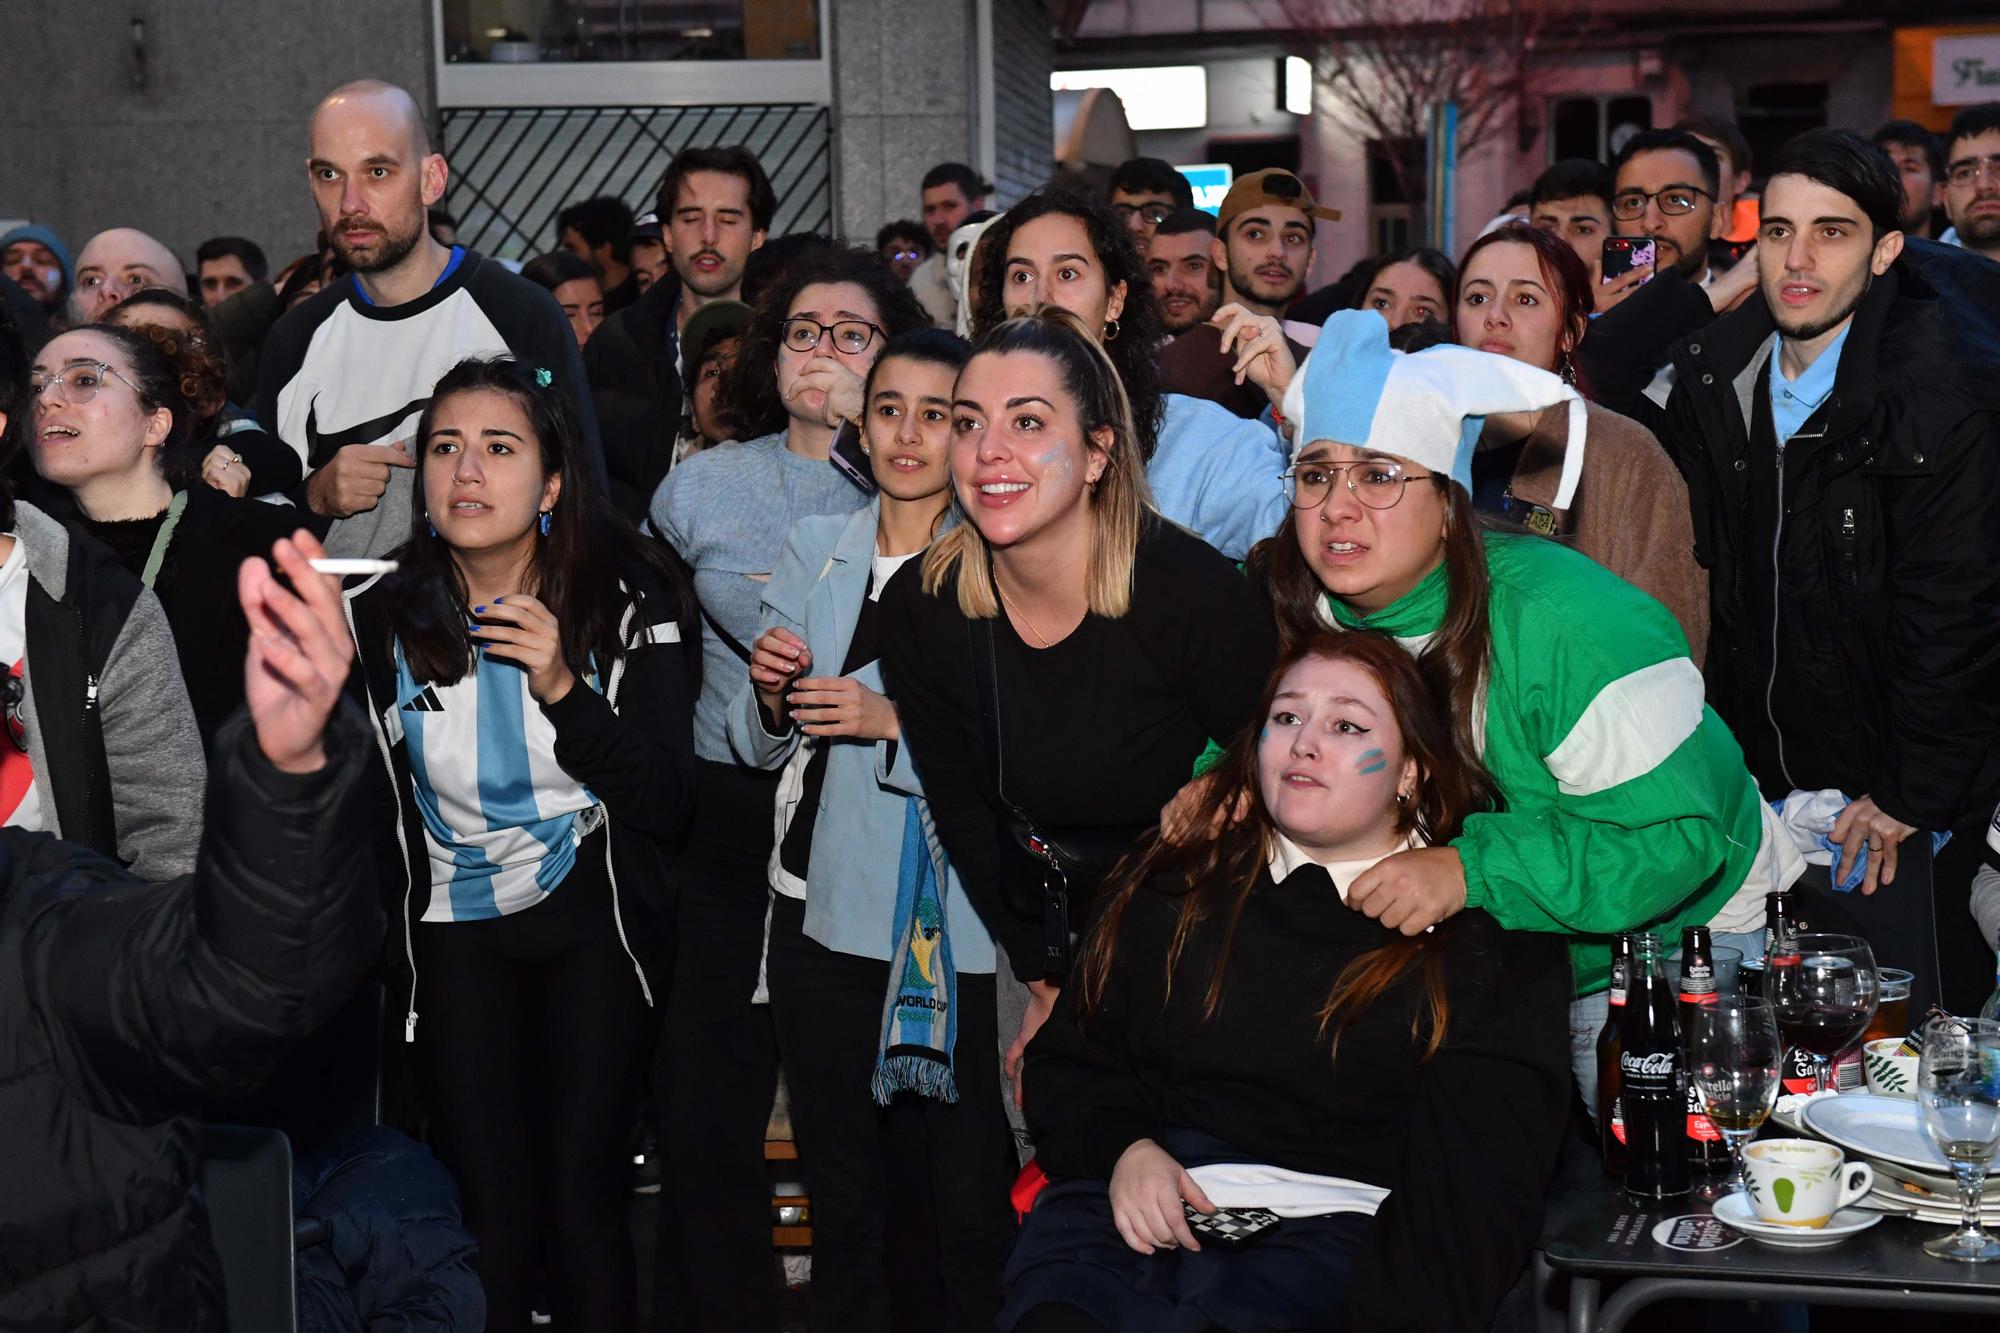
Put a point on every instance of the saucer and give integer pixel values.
(1736, 1211)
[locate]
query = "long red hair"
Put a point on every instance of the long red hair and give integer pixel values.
(1214, 876)
(1563, 274)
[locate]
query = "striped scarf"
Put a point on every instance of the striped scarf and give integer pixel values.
(920, 1015)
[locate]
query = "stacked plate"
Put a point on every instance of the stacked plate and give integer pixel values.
(1912, 1177)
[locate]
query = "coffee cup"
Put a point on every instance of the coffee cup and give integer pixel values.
(1890, 1073)
(1802, 1182)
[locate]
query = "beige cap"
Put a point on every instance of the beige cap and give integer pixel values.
(1273, 187)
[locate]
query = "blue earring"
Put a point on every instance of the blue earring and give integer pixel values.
(432, 526)
(545, 522)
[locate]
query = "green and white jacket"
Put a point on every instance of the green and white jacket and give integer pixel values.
(1627, 802)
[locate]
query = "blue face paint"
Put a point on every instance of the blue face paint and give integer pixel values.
(1371, 761)
(1263, 735)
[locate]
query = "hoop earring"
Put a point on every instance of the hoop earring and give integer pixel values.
(545, 522)
(1402, 800)
(1111, 330)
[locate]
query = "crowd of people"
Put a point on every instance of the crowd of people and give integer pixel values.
(1117, 734)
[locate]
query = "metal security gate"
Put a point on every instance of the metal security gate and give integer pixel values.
(514, 168)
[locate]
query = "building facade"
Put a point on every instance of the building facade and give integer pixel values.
(190, 121)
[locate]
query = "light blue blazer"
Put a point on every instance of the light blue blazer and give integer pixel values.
(816, 592)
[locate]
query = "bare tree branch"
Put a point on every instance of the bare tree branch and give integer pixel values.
(1384, 64)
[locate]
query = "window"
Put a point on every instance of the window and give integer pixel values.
(1390, 218)
(1595, 127)
(1771, 113)
(539, 31)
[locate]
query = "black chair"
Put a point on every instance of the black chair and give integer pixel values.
(246, 1183)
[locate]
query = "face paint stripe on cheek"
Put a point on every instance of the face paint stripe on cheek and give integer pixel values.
(1371, 761)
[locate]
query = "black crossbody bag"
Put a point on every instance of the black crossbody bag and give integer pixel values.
(1040, 878)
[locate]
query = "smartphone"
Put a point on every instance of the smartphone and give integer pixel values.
(849, 458)
(1622, 254)
(1231, 1228)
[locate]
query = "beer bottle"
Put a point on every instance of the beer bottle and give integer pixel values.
(1705, 1149)
(1653, 1079)
(1610, 1109)
(1781, 928)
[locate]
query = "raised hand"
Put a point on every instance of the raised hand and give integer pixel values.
(518, 629)
(299, 653)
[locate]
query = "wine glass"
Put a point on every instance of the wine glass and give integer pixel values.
(1958, 1086)
(1824, 990)
(1735, 1060)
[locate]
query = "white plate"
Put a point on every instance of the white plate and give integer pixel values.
(1785, 1112)
(1944, 1187)
(1736, 1211)
(1887, 1129)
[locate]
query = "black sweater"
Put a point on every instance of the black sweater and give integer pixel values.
(1099, 731)
(1466, 1143)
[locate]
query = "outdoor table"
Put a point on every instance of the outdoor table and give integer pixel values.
(1596, 1234)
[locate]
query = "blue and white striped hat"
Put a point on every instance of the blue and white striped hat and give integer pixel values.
(1428, 406)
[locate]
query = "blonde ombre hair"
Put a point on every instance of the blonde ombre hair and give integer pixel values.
(1120, 502)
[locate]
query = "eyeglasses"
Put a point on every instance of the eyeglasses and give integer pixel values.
(849, 335)
(1675, 201)
(894, 256)
(1151, 214)
(1967, 171)
(1375, 482)
(80, 382)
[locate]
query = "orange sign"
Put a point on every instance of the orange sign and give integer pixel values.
(1940, 69)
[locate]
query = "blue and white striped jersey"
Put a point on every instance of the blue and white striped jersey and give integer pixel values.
(501, 819)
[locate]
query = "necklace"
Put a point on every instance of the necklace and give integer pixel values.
(1041, 637)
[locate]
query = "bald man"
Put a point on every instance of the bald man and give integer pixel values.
(113, 264)
(347, 372)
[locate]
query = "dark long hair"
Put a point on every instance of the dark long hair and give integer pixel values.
(1436, 263)
(751, 388)
(1456, 662)
(1217, 875)
(576, 569)
(1563, 274)
(1140, 329)
(176, 373)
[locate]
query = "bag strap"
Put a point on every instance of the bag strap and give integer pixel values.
(729, 641)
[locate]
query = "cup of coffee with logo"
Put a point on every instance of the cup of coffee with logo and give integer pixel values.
(1802, 1182)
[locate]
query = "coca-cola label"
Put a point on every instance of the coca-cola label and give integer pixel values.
(1656, 1073)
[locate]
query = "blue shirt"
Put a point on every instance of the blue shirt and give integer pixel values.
(728, 510)
(1792, 401)
(1217, 475)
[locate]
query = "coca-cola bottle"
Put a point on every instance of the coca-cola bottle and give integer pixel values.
(1610, 1107)
(1705, 1149)
(1653, 1076)
(1781, 929)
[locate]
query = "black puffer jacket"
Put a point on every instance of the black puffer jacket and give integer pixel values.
(638, 393)
(122, 1003)
(1882, 673)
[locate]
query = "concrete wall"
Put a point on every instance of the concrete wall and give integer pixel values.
(215, 141)
(904, 99)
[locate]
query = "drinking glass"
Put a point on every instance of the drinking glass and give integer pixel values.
(1824, 992)
(1734, 1057)
(1958, 1086)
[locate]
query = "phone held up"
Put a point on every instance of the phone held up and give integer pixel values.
(1622, 254)
(849, 457)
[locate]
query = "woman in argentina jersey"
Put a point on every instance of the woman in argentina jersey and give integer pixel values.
(525, 669)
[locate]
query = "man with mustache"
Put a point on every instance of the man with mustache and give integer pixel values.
(1972, 179)
(1264, 248)
(1840, 436)
(716, 205)
(346, 373)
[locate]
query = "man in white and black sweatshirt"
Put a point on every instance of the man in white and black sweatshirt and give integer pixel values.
(345, 375)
